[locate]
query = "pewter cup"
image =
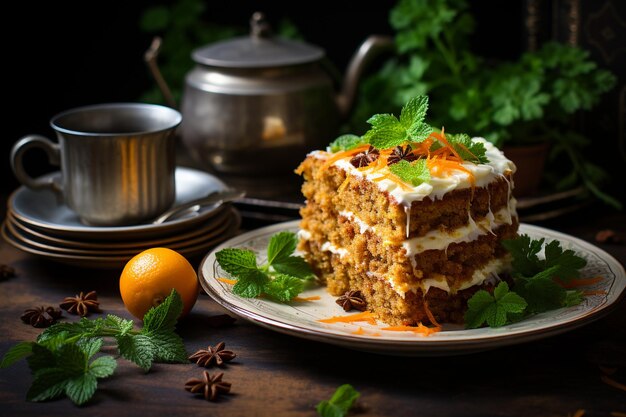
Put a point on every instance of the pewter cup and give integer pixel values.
(117, 161)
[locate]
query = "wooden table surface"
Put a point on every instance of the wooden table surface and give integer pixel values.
(279, 375)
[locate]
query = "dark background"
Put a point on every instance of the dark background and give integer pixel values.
(69, 54)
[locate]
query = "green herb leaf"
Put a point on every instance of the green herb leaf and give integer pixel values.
(295, 266)
(342, 400)
(276, 277)
(284, 287)
(414, 173)
(83, 328)
(387, 131)
(541, 293)
(49, 383)
(103, 366)
(15, 353)
(138, 349)
(118, 324)
(567, 261)
(493, 309)
(346, 142)
(237, 262)
(81, 388)
(251, 285)
(168, 347)
(281, 246)
(467, 149)
(524, 251)
(163, 316)
(573, 298)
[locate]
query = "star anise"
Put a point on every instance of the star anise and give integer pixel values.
(352, 300)
(365, 158)
(41, 316)
(82, 304)
(6, 271)
(209, 387)
(399, 153)
(213, 355)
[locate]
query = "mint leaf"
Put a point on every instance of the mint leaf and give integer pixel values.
(346, 142)
(281, 246)
(163, 316)
(15, 353)
(414, 112)
(118, 324)
(83, 328)
(237, 262)
(342, 400)
(387, 131)
(81, 388)
(294, 266)
(138, 349)
(103, 366)
(168, 347)
(251, 285)
(284, 287)
(414, 173)
(48, 384)
(41, 358)
(493, 309)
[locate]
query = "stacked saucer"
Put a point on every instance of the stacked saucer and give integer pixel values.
(38, 223)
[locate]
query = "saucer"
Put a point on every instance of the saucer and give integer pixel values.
(42, 210)
(200, 233)
(113, 259)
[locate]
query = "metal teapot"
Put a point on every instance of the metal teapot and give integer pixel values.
(257, 104)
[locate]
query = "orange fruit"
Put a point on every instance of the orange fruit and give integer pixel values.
(149, 277)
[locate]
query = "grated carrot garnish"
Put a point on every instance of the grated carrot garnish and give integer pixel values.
(581, 282)
(430, 315)
(610, 381)
(594, 292)
(364, 316)
(227, 281)
(420, 328)
(344, 184)
(579, 413)
(311, 298)
(344, 154)
(359, 331)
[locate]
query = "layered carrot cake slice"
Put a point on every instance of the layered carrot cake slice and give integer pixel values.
(409, 215)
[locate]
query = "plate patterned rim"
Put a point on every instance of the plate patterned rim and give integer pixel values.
(292, 318)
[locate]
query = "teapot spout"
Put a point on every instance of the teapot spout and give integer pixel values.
(368, 50)
(150, 56)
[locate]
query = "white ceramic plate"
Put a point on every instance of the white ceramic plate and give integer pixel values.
(301, 318)
(42, 210)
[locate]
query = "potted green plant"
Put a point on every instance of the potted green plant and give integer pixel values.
(525, 106)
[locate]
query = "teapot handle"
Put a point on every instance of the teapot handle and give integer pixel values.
(371, 47)
(150, 56)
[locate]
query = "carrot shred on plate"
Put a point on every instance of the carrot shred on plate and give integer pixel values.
(311, 298)
(580, 282)
(359, 331)
(594, 292)
(430, 315)
(227, 281)
(420, 328)
(364, 316)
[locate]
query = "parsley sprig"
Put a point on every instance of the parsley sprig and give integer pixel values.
(281, 277)
(62, 359)
(535, 287)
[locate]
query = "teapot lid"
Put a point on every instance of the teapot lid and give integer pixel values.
(259, 50)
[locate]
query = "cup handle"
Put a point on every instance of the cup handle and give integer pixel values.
(17, 155)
